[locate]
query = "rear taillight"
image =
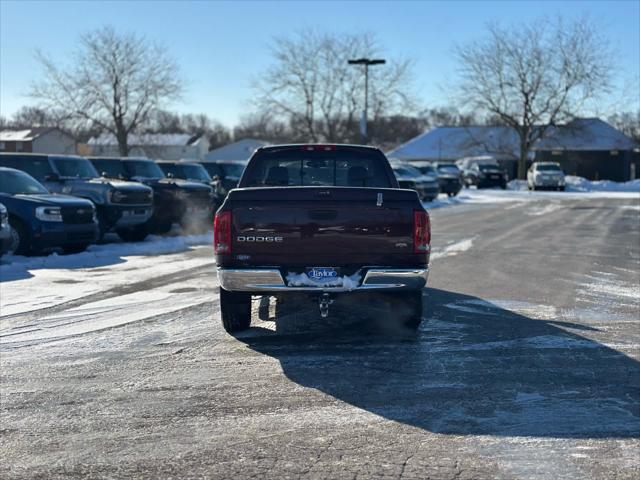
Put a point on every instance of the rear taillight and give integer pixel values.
(222, 233)
(421, 232)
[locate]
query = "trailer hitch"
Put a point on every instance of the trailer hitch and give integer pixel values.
(324, 303)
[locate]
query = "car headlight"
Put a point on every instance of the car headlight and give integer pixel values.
(49, 214)
(4, 219)
(117, 196)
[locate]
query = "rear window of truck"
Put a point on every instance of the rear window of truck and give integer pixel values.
(300, 168)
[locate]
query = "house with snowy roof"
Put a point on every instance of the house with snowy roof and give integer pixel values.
(37, 140)
(587, 147)
(158, 146)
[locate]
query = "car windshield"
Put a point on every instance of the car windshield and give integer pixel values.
(144, 169)
(233, 169)
(74, 167)
(171, 169)
(427, 170)
(486, 167)
(37, 166)
(450, 169)
(297, 167)
(109, 168)
(15, 183)
(212, 169)
(548, 167)
(196, 172)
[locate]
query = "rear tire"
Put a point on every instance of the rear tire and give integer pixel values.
(19, 244)
(135, 234)
(235, 310)
(75, 249)
(162, 227)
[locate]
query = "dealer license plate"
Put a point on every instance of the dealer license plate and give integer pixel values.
(323, 274)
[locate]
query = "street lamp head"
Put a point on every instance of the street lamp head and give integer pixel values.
(366, 61)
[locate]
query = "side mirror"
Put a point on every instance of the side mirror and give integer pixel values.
(52, 177)
(103, 174)
(169, 175)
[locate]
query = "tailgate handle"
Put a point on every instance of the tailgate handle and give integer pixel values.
(323, 214)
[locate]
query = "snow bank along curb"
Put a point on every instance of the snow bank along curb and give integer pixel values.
(153, 245)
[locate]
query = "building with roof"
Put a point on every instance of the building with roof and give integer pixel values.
(240, 150)
(587, 147)
(37, 140)
(160, 146)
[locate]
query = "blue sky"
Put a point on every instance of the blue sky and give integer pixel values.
(221, 46)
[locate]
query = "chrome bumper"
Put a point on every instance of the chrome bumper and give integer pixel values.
(270, 280)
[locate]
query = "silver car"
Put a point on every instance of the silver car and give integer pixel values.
(545, 175)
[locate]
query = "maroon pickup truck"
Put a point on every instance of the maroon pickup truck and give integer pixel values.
(326, 220)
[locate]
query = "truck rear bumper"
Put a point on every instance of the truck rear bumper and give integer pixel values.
(270, 280)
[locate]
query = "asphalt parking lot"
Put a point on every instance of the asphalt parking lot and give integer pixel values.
(526, 366)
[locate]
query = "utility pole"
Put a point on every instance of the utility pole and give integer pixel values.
(366, 62)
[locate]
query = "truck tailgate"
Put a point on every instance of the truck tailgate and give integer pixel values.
(323, 226)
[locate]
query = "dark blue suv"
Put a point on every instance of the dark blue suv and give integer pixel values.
(123, 207)
(40, 221)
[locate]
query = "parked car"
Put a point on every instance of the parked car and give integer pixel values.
(228, 171)
(5, 230)
(194, 172)
(545, 175)
(40, 221)
(123, 207)
(185, 170)
(485, 175)
(449, 178)
(175, 200)
(325, 220)
(465, 163)
(413, 179)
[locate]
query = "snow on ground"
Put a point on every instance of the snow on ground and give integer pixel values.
(40, 282)
(517, 192)
(582, 185)
(452, 249)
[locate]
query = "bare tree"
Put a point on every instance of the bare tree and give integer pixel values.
(311, 87)
(628, 123)
(115, 82)
(534, 76)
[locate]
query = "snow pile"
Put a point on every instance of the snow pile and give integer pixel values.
(475, 197)
(579, 184)
(345, 282)
(453, 249)
(518, 185)
(152, 245)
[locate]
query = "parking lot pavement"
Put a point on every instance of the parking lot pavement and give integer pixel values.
(526, 366)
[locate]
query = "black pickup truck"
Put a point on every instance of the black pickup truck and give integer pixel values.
(175, 200)
(324, 220)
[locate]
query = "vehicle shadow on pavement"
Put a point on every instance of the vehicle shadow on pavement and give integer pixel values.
(473, 368)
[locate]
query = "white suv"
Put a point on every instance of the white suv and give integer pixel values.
(547, 175)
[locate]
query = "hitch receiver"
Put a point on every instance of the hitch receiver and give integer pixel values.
(324, 303)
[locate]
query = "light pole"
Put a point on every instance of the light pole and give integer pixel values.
(366, 62)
